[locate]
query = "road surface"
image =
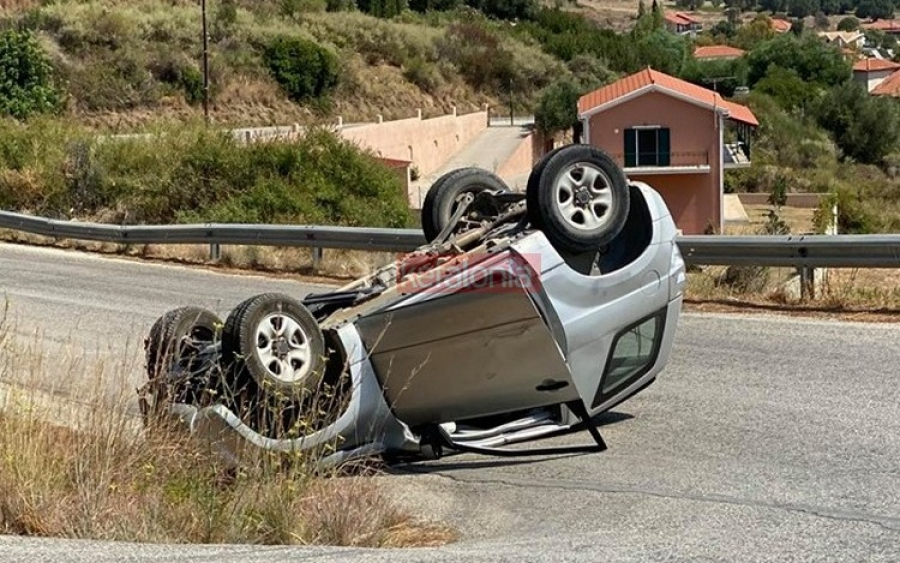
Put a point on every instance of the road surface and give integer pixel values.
(766, 439)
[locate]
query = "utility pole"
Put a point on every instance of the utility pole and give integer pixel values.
(205, 64)
(511, 123)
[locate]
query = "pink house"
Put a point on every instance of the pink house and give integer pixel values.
(676, 136)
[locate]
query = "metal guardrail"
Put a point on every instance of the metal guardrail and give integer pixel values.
(802, 251)
(220, 233)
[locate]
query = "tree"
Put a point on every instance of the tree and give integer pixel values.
(814, 61)
(849, 23)
(26, 77)
(759, 30)
(663, 51)
(723, 76)
(831, 7)
(802, 8)
(864, 127)
(506, 9)
(786, 87)
(773, 5)
(557, 108)
(875, 9)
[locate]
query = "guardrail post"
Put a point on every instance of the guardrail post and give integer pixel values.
(215, 251)
(807, 282)
(317, 254)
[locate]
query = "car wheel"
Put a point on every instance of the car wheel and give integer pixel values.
(532, 188)
(579, 199)
(440, 202)
(273, 341)
(172, 352)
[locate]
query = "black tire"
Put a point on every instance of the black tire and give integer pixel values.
(261, 372)
(440, 201)
(171, 351)
(597, 189)
(532, 188)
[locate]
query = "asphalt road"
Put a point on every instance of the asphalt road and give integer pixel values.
(766, 439)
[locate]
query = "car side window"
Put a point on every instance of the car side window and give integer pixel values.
(634, 351)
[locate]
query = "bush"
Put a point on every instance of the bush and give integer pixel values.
(26, 82)
(424, 75)
(304, 70)
(195, 174)
(865, 128)
(557, 107)
(849, 23)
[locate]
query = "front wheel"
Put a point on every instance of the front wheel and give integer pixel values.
(579, 199)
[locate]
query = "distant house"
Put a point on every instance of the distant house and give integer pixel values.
(718, 52)
(674, 135)
(683, 24)
(891, 27)
(852, 40)
(872, 72)
(890, 86)
(780, 25)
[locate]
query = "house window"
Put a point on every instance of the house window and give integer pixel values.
(647, 146)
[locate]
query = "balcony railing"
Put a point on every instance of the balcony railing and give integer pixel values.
(689, 159)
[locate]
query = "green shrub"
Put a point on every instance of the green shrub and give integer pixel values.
(304, 70)
(180, 74)
(194, 174)
(26, 81)
(423, 74)
(557, 107)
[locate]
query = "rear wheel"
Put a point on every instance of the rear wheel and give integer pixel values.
(578, 198)
(274, 342)
(442, 200)
(173, 357)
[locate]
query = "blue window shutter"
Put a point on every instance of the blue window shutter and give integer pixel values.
(630, 147)
(664, 148)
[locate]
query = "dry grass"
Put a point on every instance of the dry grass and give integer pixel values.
(86, 469)
(799, 219)
(838, 290)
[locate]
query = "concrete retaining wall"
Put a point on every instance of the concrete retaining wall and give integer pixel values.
(427, 143)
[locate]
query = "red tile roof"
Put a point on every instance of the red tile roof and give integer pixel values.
(890, 86)
(717, 52)
(883, 25)
(652, 79)
(875, 65)
(781, 26)
(681, 18)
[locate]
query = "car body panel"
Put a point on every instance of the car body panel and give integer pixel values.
(448, 358)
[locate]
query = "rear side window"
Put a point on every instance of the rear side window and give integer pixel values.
(634, 351)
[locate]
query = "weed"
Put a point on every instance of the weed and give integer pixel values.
(79, 465)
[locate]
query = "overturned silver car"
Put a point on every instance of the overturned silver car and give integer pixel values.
(524, 315)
